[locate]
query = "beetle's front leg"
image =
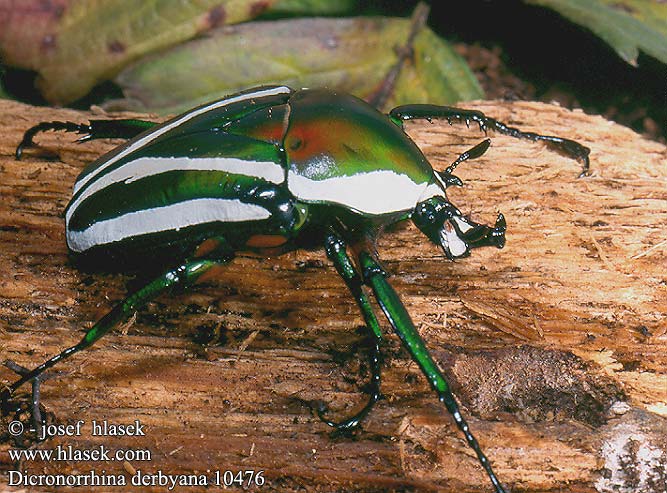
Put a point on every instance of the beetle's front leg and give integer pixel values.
(568, 147)
(185, 275)
(336, 251)
(398, 316)
(95, 129)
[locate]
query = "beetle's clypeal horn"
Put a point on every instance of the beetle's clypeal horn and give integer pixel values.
(480, 235)
(497, 234)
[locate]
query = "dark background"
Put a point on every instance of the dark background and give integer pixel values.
(517, 51)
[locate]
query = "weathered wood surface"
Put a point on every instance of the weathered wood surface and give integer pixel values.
(556, 345)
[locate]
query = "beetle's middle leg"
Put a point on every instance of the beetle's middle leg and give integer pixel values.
(429, 112)
(336, 251)
(185, 275)
(95, 129)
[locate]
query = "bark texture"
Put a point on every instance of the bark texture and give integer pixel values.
(556, 346)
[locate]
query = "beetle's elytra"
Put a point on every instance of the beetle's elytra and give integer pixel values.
(270, 170)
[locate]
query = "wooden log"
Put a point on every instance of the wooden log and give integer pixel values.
(556, 346)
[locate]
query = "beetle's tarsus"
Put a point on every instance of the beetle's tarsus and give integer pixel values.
(374, 393)
(452, 406)
(37, 418)
(95, 129)
(30, 134)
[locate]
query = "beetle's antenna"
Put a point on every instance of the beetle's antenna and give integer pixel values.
(448, 177)
(472, 153)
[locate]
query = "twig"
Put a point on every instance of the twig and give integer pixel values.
(419, 18)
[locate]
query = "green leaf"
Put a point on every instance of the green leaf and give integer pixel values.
(75, 44)
(438, 75)
(352, 55)
(285, 8)
(628, 26)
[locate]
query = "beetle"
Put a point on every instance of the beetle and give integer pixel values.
(270, 170)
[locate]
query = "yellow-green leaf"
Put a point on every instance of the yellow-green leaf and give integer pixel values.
(75, 44)
(353, 55)
(311, 7)
(628, 26)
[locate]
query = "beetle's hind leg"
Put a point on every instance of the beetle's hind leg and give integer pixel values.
(184, 275)
(429, 112)
(336, 251)
(95, 129)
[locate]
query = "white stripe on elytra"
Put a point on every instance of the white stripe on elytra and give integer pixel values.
(151, 166)
(433, 190)
(170, 217)
(175, 123)
(376, 192)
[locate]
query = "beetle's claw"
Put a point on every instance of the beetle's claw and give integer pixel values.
(372, 388)
(352, 422)
(346, 425)
(29, 134)
(585, 160)
(6, 396)
(19, 148)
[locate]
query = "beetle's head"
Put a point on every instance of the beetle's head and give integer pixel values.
(445, 226)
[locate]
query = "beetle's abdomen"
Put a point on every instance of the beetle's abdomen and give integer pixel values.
(162, 191)
(342, 151)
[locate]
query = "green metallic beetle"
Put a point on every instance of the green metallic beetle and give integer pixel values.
(270, 170)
